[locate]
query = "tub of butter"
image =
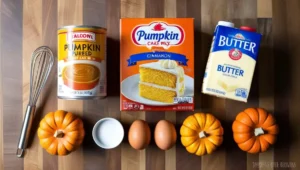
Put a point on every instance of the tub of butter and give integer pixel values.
(231, 62)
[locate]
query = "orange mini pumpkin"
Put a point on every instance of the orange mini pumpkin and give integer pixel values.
(254, 130)
(60, 132)
(201, 133)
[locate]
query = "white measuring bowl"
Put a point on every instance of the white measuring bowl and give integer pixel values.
(108, 133)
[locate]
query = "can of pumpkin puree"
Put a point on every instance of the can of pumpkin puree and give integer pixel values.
(81, 62)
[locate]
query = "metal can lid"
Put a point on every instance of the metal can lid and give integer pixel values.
(246, 28)
(226, 23)
(80, 26)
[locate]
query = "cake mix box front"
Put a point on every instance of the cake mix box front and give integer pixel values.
(157, 64)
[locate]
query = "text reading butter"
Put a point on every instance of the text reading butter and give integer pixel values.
(157, 64)
(231, 63)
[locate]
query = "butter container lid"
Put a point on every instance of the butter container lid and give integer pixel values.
(246, 28)
(226, 24)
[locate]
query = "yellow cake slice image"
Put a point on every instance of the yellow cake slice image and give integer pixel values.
(161, 81)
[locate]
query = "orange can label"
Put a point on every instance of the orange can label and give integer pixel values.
(157, 64)
(81, 62)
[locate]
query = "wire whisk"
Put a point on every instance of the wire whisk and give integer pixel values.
(41, 64)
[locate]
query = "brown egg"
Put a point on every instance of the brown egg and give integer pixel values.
(165, 134)
(139, 134)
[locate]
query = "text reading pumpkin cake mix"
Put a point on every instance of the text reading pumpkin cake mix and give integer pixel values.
(157, 64)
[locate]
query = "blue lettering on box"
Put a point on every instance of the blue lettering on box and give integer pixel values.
(231, 38)
(133, 59)
(230, 70)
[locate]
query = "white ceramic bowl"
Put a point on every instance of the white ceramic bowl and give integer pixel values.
(108, 133)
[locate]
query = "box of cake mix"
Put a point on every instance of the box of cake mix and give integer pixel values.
(157, 64)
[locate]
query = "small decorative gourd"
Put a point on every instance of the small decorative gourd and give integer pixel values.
(254, 130)
(201, 133)
(60, 132)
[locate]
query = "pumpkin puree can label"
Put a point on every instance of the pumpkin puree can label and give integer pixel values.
(81, 62)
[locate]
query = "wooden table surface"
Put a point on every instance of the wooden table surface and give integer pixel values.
(27, 24)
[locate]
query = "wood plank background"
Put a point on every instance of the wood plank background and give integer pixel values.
(27, 24)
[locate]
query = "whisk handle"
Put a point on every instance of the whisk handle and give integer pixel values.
(25, 130)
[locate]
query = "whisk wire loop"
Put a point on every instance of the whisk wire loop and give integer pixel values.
(41, 64)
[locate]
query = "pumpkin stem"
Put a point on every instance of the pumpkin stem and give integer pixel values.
(58, 134)
(202, 134)
(259, 131)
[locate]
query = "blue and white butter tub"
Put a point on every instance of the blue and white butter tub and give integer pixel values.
(230, 68)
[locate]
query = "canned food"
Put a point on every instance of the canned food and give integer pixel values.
(81, 62)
